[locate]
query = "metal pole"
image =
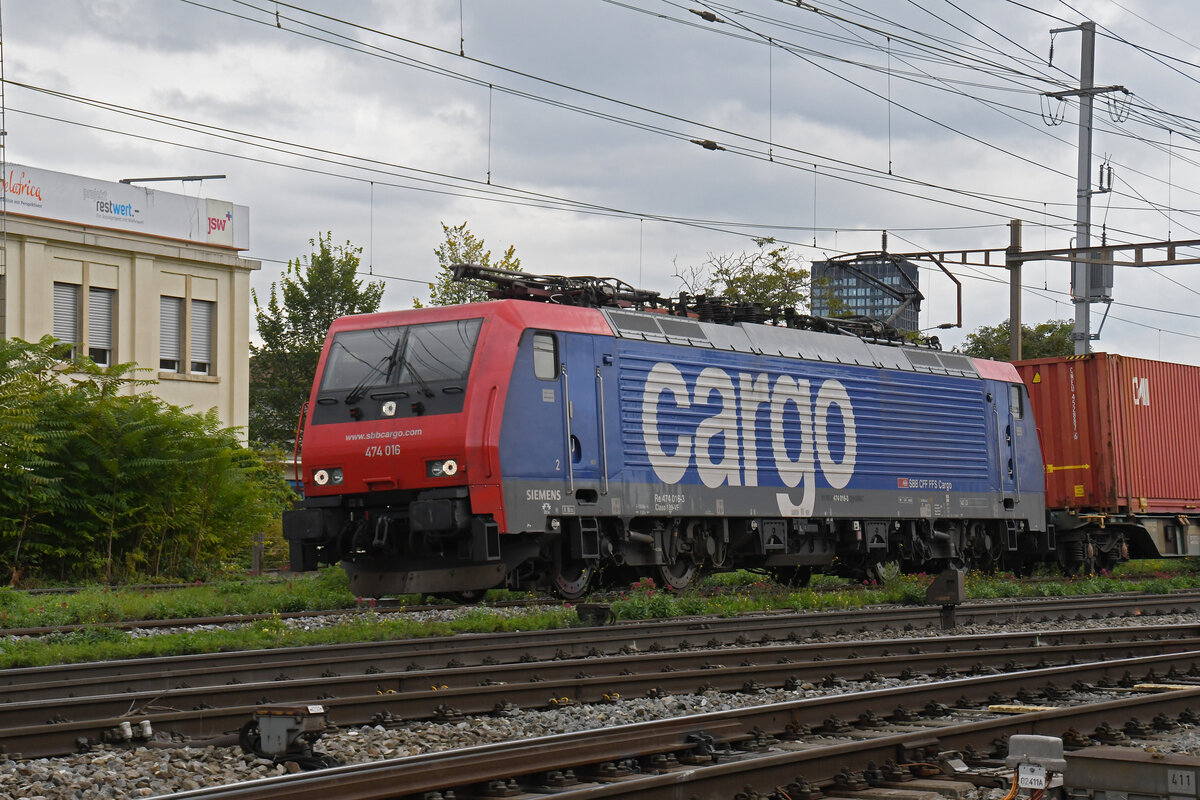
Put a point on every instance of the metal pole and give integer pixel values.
(1081, 289)
(1013, 261)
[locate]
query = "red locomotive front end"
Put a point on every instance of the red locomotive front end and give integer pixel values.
(401, 438)
(395, 441)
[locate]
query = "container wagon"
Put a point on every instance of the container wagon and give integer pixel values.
(1122, 464)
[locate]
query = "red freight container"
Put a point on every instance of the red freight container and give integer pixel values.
(1119, 434)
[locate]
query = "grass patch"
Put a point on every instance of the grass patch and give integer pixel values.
(105, 644)
(95, 605)
(743, 591)
(726, 594)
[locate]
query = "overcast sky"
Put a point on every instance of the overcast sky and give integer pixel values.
(565, 128)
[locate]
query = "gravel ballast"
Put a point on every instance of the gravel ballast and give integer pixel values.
(118, 772)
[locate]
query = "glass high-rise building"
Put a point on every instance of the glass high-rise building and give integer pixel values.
(859, 291)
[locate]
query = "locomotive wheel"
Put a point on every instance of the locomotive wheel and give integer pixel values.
(678, 576)
(572, 580)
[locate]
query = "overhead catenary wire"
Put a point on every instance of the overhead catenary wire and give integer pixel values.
(855, 175)
(372, 48)
(568, 203)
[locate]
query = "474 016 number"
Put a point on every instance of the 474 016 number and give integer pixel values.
(383, 450)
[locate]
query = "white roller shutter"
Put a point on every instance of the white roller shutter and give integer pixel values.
(66, 312)
(202, 333)
(170, 333)
(100, 318)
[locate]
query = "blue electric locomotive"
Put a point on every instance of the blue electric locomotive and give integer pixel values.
(539, 444)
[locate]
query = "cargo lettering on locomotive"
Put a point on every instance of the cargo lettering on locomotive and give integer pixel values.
(797, 447)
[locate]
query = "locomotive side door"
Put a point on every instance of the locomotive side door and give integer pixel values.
(1007, 411)
(582, 423)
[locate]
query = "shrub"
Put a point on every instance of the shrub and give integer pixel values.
(96, 482)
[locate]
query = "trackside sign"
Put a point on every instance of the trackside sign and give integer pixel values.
(75, 199)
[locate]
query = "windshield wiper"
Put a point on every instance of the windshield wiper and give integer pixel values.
(360, 389)
(405, 364)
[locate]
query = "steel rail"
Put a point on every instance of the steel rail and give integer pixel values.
(406, 696)
(80, 681)
(479, 689)
(231, 619)
(415, 775)
(641, 635)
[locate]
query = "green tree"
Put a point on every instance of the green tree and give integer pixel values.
(98, 482)
(1046, 339)
(314, 292)
(770, 275)
(29, 432)
(463, 247)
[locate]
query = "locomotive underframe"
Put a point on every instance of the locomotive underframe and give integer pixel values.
(429, 542)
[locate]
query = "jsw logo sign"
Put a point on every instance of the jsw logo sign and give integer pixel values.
(217, 223)
(723, 446)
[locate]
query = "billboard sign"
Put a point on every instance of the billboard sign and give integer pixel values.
(87, 201)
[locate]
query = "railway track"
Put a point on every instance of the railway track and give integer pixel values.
(382, 606)
(799, 745)
(545, 644)
(197, 697)
(1117, 604)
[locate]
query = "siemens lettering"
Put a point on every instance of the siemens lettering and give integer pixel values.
(723, 446)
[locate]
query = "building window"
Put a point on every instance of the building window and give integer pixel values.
(170, 333)
(202, 333)
(100, 326)
(66, 315)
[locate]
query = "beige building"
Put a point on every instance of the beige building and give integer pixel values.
(133, 274)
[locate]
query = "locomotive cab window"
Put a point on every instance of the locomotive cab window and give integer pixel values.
(397, 372)
(545, 356)
(410, 355)
(1016, 404)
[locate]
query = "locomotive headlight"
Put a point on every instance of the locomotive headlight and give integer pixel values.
(322, 477)
(442, 468)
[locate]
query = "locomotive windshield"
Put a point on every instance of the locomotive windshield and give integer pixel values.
(412, 354)
(428, 362)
